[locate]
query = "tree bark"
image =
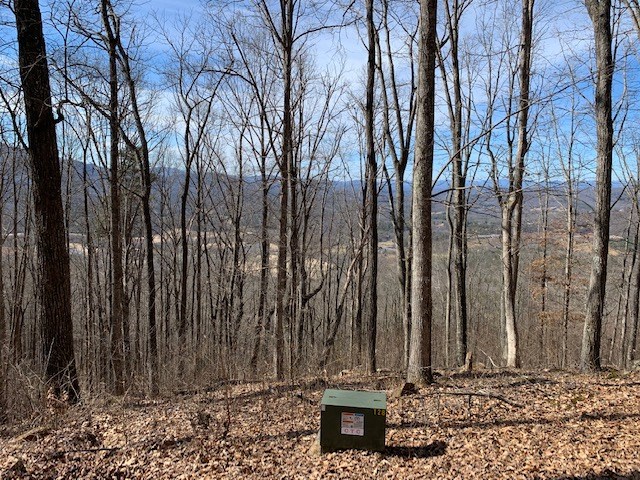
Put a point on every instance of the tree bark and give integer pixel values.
(371, 299)
(632, 336)
(117, 350)
(419, 369)
(630, 332)
(3, 319)
(264, 251)
(457, 221)
(568, 264)
(600, 13)
(54, 292)
(286, 43)
(141, 153)
(512, 202)
(399, 142)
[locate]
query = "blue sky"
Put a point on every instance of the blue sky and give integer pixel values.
(564, 25)
(326, 46)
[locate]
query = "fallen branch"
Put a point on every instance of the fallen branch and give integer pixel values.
(490, 359)
(466, 393)
(33, 434)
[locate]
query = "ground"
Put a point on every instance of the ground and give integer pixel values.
(547, 425)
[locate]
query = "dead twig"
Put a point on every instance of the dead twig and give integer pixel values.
(33, 434)
(467, 393)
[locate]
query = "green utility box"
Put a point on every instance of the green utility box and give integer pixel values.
(352, 419)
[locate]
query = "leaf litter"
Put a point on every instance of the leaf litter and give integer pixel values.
(568, 426)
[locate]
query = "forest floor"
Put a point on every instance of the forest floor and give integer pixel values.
(551, 425)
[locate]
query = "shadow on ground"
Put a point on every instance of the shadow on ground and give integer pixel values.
(484, 425)
(434, 449)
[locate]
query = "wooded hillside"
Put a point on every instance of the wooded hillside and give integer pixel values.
(555, 426)
(229, 196)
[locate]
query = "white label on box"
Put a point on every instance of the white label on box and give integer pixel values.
(352, 424)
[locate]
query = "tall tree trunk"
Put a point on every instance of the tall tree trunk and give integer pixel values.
(544, 283)
(632, 336)
(568, 263)
(512, 207)
(141, 153)
(117, 350)
(99, 329)
(264, 252)
(570, 180)
(633, 313)
(293, 313)
(600, 13)
(626, 281)
(398, 143)
(3, 318)
(419, 369)
(198, 336)
(371, 299)
(286, 43)
(19, 266)
(449, 288)
(458, 184)
(628, 317)
(54, 292)
(90, 305)
(184, 247)
(359, 300)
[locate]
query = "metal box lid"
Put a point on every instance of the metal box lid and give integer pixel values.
(355, 399)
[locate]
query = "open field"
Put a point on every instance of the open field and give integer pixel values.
(535, 425)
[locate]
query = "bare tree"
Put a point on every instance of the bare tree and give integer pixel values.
(15, 144)
(285, 37)
(510, 198)
(4, 163)
(398, 117)
(371, 298)
(600, 14)
(419, 367)
(630, 286)
(138, 146)
(568, 158)
(288, 27)
(112, 32)
(634, 11)
(195, 78)
(461, 146)
(53, 255)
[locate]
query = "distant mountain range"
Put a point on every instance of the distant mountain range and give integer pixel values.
(168, 182)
